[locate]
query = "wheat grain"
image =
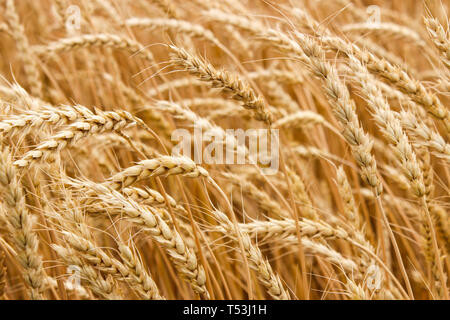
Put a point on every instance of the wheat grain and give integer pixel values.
(386, 29)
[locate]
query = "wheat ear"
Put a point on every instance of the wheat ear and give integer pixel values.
(184, 259)
(345, 191)
(101, 121)
(223, 80)
(166, 6)
(301, 195)
(392, 130)
(355, 291)
(23, 48)
(137, 102)
(339, 97)
(440, 215)
(390, 126)
(440, 39)
(262, 198)
(95, 40)
(132, 272)
(395, 75)
(355, 228)
(331, 255)
(283, 228)
(151, 197)
(80, 238)
(285, 77)
(386, 29)
(54, 116)
(300, 119)
(20, 226)
(426, 135)
(264, 271)
(100, 285)
(161, 166)
(178, 26)
(2, 274)
(313, 55)
(138, 274)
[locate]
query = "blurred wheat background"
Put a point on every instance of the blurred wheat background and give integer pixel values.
(94, 206)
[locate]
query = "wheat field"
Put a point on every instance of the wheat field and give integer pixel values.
(95, 203)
